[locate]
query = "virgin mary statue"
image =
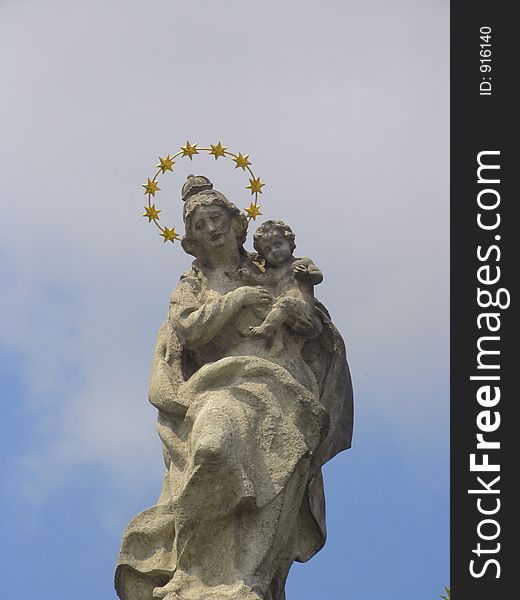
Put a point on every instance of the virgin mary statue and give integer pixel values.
(245, 429)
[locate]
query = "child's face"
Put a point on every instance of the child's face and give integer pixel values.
(276, 249)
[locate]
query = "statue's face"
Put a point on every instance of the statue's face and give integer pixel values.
(211, 227)
(276, 249)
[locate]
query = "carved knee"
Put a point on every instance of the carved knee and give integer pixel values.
(209, 451)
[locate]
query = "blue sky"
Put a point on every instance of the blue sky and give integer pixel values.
(343, 108)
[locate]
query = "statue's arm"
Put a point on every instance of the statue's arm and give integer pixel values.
(197, 324)
(315, 274)
(306, 269)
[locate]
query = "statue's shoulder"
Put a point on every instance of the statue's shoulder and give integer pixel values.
(190, 283)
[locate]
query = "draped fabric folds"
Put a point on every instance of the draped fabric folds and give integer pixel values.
(243, 444)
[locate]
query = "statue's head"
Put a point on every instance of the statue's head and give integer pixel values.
(211, 221)
(274, 241)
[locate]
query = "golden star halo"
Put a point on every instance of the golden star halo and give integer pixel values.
(242, 161)
(253, 211)
(170, 234)
(165, 164)
(189, 150)
(255, 185)
(218, 150)
(152, 213)
(151, 187)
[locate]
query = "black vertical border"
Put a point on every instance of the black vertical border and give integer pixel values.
(481, 123)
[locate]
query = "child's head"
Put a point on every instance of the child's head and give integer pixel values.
(274, 242)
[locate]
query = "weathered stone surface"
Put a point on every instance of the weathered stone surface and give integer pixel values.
(254, 395)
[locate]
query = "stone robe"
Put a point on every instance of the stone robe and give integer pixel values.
(244, 435)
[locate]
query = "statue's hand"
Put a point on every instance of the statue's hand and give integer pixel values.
(300, 269)
(249, 295)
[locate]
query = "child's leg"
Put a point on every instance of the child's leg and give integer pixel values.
(284, 307)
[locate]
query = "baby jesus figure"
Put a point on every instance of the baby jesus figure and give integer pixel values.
(291, 279)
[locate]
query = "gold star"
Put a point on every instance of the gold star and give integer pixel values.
(151, 187)
(242, 161)
(217, 150)
(255, 185)
(152, 213)
(170, 235)
(165, 164)
(189, 150)
(253, 211)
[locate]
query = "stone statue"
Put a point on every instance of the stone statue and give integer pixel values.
(254, 395)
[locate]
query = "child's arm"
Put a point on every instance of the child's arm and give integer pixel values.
(304, 267)
(316, 276)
